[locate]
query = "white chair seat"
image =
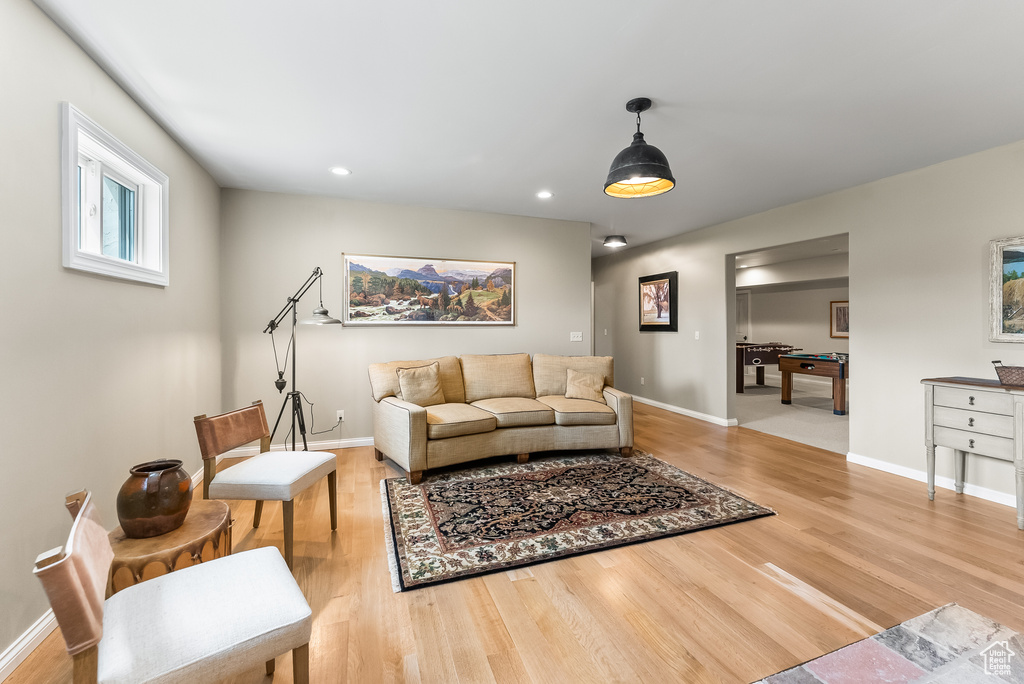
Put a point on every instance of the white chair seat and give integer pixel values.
(248, 605)
(273, 476)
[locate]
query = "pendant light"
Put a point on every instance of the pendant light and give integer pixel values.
(615, 241)
(640, 170)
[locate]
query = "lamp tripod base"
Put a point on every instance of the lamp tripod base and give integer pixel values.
(298, 420)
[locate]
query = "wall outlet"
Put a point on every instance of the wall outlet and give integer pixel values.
(575, 337)
(641, 381)
(341, 416)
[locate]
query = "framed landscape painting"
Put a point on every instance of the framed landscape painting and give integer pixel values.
(1007, 290)
(658, 295)
(390, 290)
(839, 325)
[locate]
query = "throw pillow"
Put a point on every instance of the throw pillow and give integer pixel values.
(421, 386)
(584, 385)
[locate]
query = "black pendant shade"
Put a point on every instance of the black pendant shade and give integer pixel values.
(640, 170)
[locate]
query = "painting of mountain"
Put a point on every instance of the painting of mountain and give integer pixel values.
(386, 290)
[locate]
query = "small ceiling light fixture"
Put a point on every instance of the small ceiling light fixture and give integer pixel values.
(640, 170)
(545, 194)
(340, 171)
(615, 241)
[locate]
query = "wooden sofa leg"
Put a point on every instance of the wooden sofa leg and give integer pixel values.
(415, 476)
(300, 664)
(626, 452)
(271, 664)
(522, 458)
(257, 514)
(332, 492)
(378, 454)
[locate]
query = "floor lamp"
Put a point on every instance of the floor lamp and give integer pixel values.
(319, 317)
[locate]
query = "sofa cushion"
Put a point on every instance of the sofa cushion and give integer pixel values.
(517, 411)
(584, 385)
(384, 377)
(454, 420)
(421, 386)
(549, 374)
(497, 376)
(578, 411)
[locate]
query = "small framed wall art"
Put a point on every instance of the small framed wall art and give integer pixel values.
(1007, 290)
(839, 316)
(407, 291)
(658, 307)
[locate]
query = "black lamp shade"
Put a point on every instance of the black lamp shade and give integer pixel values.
(640, 170)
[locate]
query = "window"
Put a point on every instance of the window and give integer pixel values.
(114, 205)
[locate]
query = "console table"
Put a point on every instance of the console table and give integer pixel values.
(978, 416)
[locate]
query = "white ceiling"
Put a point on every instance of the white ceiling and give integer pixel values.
(477, 105)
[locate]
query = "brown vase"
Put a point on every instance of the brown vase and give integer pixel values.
(154, 499)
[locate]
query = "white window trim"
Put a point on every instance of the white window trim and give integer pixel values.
(152, 239)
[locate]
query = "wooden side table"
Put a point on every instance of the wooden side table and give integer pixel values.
(205, 535)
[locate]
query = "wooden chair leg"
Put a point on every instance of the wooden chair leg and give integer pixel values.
(257, 514)
(300, 664)
(289, 531)
(378, 454)
(271, 664)
(85, 665)
(522, 458)
(332, 491)
(626, 452)
(415, 476)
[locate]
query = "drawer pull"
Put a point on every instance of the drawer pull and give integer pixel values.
(970, 422)
(970, 400)
(970, 443)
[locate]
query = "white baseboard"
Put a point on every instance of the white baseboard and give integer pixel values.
(23, 646)
(725, 422)
(943, 482)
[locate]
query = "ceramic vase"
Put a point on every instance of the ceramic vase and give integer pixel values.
(154, 499)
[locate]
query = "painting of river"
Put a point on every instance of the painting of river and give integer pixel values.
(390, 290)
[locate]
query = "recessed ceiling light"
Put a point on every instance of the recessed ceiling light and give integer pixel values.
(744, 266)
(544, 194)
(340, 171)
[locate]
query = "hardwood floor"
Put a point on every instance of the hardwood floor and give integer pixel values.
(851, 552)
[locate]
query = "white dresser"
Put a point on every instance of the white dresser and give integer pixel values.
(977, 416)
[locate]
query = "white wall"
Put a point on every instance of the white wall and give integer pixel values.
(98, 374)
(272, 242)
(918, 296)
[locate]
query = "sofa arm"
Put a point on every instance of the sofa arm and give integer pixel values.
(400, 432)
(622, 404)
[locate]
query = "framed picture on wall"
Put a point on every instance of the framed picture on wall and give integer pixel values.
(404, 291)
(658, 295)
(840, 319)
(1007, 290)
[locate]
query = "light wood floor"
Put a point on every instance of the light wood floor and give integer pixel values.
(851, 552)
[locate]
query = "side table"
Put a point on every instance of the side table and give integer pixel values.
(205, 535)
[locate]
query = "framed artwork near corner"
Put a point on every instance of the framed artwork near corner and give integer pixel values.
(658, 302)
(409, 291)
(1006, 279)
(839, 325)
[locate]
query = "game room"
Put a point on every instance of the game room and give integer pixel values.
(785, 297)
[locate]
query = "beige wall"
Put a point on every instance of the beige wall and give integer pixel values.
(98, 374)
(271, 243)
(797, 316)
(918, 294)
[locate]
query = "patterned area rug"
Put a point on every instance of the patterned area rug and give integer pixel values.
(471, 522)
(950, 644)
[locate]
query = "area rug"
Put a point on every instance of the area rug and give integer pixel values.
(487, 519)
(950, 644)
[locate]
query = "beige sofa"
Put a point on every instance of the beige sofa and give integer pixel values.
(439, 412)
